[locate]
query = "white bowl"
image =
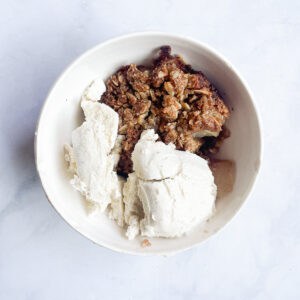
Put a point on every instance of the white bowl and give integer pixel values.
(61, 114)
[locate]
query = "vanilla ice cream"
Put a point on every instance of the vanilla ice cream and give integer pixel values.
(175, 189)
(92, 143)
(169, 192)
(94, 91)
(93, 154)
(133, 206)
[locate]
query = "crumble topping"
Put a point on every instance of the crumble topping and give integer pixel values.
(179, 103)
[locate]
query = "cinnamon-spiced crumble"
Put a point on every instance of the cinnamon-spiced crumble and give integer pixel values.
(179, 103)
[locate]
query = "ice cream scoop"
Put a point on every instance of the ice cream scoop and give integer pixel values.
(176, 189)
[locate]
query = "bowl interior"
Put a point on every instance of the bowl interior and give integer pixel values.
(62, 114)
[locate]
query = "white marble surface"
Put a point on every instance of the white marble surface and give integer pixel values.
(257, 256)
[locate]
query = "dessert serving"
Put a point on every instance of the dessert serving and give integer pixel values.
(144, 153)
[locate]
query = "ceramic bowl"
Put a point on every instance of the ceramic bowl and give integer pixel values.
(61, 114)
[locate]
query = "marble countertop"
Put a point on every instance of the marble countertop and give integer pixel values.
(257, 256)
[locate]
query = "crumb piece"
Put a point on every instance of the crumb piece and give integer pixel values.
(145, 243)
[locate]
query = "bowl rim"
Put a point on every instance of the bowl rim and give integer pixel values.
(198, 43)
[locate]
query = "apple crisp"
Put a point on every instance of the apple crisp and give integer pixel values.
(179, 103)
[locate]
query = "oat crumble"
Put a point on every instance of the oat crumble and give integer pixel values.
(178, 102)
